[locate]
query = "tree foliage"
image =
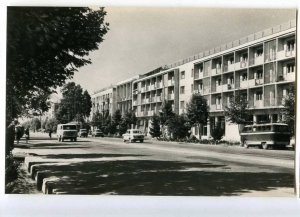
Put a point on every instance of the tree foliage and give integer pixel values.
(155, 127)
(97, 119)
(166, 113)
(75, 105)
(288, 111)
(178, 126)
(217, 133)
(45, 46)
(237, 112)
(197, 110)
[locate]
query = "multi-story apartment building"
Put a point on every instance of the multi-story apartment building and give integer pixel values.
(104, 101)
(260, 66)
(124, 94)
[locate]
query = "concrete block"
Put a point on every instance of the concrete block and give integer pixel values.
(47, 188)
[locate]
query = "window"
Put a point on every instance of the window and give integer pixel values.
(182, 90)
(181, 104)
(258, 95)
(244, 77)
(192, 88)
(290, 67)
(182, 74)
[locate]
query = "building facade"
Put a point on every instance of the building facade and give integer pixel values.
(261, 67)
(124, 94)
(104, 101)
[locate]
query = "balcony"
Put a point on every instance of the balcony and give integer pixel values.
(198, 75)
(240, 65)
(290, 77)
(151, 113)
(285, 54)
(244, 84)
(152, 99)
(158, 99)
(171, 96)
(258, 104)
(145, 113)
(198, 92)
(148, 88)
(134, 103)
(228, 87)
(171, 82)
(258, 60)
(216, 71)
(143, 89)
(259, 81)
(219, 88)
(159, 85)
(215, 107)
(147, 100)
(153, 87)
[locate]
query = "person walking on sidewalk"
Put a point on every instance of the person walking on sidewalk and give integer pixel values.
(27, 134)
(50, 133)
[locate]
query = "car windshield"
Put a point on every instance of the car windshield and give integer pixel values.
(69, 127)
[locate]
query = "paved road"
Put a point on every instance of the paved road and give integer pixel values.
(110, 166)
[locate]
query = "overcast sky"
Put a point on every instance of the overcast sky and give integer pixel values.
(141, 39)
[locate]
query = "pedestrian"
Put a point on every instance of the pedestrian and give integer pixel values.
(18, 133)
(27, 134)
(50, 133)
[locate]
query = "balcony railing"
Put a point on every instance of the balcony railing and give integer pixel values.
(241, 65)
(158, 99)
(134, 103)
(159, 85)
(259, 81)
(198, 92)
(229, 68)
(215, 107)
(171, 96)
(258, 104)
(244, 84)
(143, 89)
(170, 82)
(226, 87)
(259, 60)
(215, 71)
(219, 88)
(285, 54)
(290, 77)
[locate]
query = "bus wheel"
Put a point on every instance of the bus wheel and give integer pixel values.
(264, 145)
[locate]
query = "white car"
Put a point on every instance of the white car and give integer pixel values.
(133, 135)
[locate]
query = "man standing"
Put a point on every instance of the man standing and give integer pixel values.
(10, 136)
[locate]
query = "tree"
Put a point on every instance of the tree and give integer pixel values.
(127, 120)
(237, 112)
(35, 124)
(155, 127)
(51, 125)
(73, 105)
(178, 126)
(197, 110)
(166, 113)
(97, 119)
(45, 46)
(217, 133)
(288, 111)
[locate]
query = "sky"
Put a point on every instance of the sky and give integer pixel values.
(141, 39)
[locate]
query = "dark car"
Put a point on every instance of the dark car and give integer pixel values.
(97, 133)
(82, 133)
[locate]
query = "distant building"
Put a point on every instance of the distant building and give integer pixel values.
(261, 66)
(104, 101)
(124, 94)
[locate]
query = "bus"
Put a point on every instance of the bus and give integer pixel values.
(266, 135)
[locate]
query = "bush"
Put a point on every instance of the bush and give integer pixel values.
(217, 133)
(12, 168)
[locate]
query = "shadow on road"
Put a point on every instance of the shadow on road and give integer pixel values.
(147, 177)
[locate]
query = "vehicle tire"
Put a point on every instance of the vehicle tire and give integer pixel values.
(264, 145)
(141, 140)
(75, 139)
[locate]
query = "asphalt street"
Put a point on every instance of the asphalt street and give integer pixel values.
(108, 166)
